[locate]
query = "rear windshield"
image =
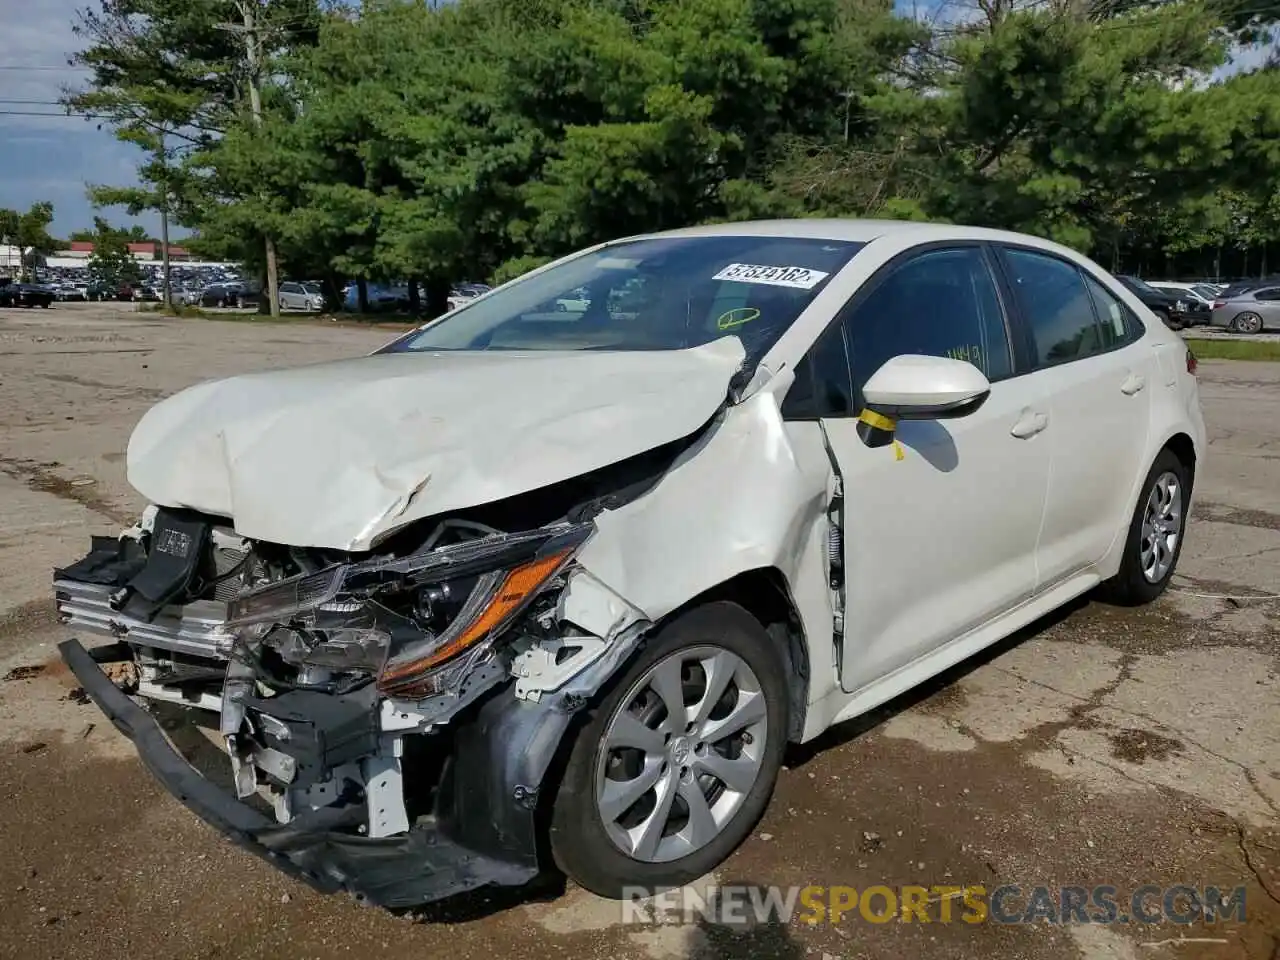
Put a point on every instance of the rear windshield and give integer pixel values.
(665, 293)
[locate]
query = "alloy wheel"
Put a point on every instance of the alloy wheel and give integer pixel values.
(1161, 527)
(1248, 323)
(681, 753)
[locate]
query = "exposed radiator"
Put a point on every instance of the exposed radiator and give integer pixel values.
(190, 629)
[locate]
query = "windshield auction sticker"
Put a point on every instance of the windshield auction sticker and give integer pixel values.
(801, 278)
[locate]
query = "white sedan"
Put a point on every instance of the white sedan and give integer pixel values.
(529, 578)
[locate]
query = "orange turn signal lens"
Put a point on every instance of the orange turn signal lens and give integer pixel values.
(516, 587)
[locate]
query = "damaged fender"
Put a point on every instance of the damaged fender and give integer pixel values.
(755, 488)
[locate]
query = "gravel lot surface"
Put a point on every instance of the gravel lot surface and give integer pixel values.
(1104, 746)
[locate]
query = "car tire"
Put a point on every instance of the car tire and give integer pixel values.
(1248, 323)
(1150, 559)
(717, 639)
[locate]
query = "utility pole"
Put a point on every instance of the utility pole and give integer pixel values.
(848, 101)
(252, 51)
(164, 225)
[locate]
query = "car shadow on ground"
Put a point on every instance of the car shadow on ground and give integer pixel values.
(800, 754)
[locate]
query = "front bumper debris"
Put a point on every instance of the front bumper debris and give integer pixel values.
(421, 866)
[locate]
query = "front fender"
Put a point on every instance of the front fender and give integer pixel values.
(751, 494)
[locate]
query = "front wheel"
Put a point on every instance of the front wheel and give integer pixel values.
(1247, 323)
(677, 763)
(1154, 541)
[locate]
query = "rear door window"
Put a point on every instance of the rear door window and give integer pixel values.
(1057, 307)
(1119, 325)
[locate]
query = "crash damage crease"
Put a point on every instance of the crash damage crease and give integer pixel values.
(391, 715)
(222, 448)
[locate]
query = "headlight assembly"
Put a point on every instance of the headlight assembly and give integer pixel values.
(407, 619)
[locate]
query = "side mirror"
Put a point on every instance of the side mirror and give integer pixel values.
(915, 387)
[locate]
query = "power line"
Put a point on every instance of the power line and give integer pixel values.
(58, 116)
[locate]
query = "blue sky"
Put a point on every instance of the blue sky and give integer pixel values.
(52, 158)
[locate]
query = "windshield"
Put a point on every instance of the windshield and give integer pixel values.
(1205, 291)
(665, 293)
(311, 288)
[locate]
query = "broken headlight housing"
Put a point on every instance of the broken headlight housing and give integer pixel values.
(410, 621)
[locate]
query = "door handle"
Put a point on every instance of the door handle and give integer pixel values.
(1029, 424)
(1132, 384)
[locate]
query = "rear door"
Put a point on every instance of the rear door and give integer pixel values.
(1269, 306)
(1088, 355)
(940, 531)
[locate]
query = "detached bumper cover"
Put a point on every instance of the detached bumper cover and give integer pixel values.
(420, 867)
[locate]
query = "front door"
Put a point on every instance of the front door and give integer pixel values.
(940, 530)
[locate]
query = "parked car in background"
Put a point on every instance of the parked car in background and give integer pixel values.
(576, 302)
(14, 294)
(560, 588)
(301, 296)
(1233, 290)
(1175, 312)
(68, 292)
(235, 294)
(97, 291)
(1250, 312)
(1201, 293)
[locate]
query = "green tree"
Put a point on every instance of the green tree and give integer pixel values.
(29, 231)
(174, 78)
(111, 264)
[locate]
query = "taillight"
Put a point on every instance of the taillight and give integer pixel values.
(1192, 362)
(1219, 303)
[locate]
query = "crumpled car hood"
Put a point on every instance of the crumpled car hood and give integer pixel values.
(338, 454)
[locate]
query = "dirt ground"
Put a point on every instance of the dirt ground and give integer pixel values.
(1105, 746)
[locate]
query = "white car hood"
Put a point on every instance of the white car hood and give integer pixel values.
(338, 454)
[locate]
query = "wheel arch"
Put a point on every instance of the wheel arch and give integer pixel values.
(765, 594)
(1183, 447)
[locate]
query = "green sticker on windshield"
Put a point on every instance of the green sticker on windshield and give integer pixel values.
(737, 317)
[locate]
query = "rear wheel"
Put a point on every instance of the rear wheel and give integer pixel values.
(677, 763)
(1155, 536)
(1247, 323)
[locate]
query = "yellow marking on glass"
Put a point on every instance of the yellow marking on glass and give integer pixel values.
(737, 317)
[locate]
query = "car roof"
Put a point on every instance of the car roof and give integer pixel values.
(863, 231)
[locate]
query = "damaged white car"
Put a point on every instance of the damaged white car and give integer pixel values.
(533, 587)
